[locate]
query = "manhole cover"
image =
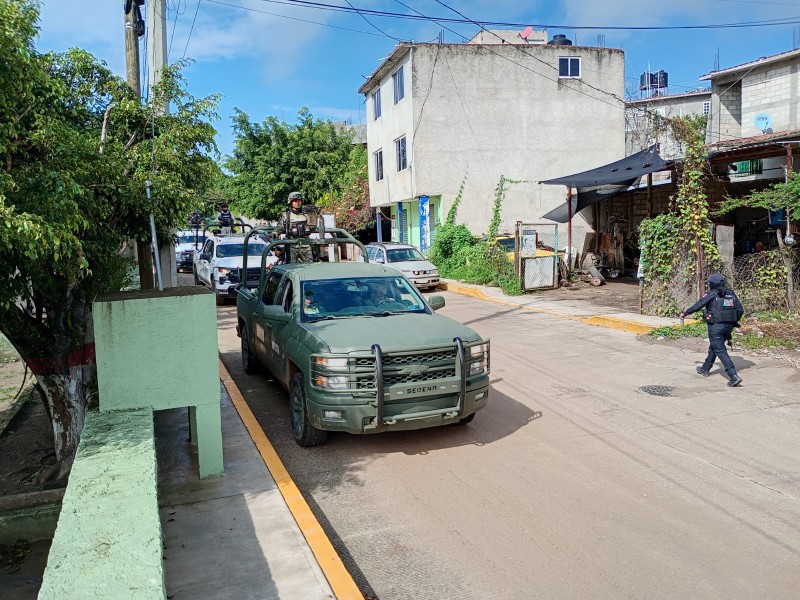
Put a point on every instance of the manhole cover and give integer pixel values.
(657, 390)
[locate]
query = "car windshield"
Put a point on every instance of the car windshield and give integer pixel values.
(189, 238)
(360, 296)
(403, 255)
(506, 243)
(233, 250)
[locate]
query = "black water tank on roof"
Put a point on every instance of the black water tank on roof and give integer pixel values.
(661, 79)
(560, 40)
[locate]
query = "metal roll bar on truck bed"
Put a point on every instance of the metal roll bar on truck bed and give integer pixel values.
(327, 236)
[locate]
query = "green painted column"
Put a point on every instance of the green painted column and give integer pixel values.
(159, 349)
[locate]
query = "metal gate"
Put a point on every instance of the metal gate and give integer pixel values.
(538, 255)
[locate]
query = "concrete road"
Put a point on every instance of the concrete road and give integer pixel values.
(572, 483)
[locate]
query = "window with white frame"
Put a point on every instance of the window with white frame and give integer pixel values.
(569, 67)
(400, 153)
(706, 108)
(378, 165)
(376, 104)
(399, 85)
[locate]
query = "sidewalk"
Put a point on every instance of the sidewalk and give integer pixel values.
(233, 536)
(572, 309)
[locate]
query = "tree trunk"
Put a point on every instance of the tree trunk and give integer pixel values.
(59, 351)
(786, 256)
(144, 254)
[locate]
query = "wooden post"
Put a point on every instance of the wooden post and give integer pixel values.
(569, 230)
(649, 195)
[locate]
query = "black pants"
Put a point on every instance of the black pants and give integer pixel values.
(718, 333)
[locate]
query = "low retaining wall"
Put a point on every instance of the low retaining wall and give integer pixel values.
(108, 540)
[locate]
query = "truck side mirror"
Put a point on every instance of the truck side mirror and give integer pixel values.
(204, 256)
(436, 302)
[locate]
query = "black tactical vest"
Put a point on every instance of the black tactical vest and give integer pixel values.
(722, 309)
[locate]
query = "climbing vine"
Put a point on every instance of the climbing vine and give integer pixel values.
(459, 255)
(677, 248)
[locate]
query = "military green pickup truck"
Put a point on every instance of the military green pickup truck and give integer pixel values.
(359, 349)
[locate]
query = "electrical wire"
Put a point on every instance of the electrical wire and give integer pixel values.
(174, 27)
(380, 13)
(191, 29)
(371, 24)
(264, 12)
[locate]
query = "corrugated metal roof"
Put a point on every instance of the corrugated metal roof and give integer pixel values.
(764, 60)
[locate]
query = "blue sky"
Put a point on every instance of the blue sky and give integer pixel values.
(266, 64)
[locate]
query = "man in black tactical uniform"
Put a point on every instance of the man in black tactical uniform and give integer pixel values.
(225, 219)
(722, 311)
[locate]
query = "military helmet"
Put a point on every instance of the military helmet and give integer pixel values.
(295, 196)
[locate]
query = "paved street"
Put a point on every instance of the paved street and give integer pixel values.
(572, 483)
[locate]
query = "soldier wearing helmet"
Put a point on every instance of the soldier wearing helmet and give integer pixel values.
(295, 223)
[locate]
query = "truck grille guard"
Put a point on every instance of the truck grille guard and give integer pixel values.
(368, 375)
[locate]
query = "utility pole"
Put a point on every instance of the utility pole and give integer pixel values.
(133, 29)
(156, 62)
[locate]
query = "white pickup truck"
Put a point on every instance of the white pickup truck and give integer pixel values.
(216, 265)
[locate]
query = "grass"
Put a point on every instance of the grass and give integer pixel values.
(696, 329)
(753, 342)
(7, 352)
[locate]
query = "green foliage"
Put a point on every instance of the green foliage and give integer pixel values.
(754, 342)
(458, 255)
(349, 201)
(272, 159)
(695, 329)
(784, 195)
(673, 244)
(76, 147)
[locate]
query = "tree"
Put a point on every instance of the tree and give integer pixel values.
(272, 159)
(349, 202)
(76, 147)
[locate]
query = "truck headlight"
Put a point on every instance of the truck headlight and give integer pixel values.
(331, 363)
(222, 270)
(338, 382)
(478, 358)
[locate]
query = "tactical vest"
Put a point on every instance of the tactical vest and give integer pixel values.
(225, 219)
(722, 309)
(297, 224)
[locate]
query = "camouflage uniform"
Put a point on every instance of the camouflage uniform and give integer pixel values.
(295, 221)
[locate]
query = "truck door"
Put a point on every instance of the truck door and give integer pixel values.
(261, 330)
(277, 321)
(204, 264)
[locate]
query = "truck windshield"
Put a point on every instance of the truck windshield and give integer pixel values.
(189, 238)
(360, 296)
(233, 250)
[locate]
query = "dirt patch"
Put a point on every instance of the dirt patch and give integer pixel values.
(621, 294)
(26, 436)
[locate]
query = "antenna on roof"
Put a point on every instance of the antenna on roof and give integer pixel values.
(796, 37)
(601, 40)
(716, 60)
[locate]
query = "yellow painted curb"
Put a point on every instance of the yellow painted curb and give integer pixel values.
(599, 321)
(338, 577)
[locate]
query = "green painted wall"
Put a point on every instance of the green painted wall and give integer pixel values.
(108, 540)
(411, 210)
(159, 349)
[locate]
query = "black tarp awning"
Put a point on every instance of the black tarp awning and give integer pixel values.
(606, 181)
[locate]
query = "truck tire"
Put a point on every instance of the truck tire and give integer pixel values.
(467, 419)
(305, 434)
(219, 298)
(250, 362)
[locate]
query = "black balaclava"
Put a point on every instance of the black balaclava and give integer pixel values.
(716, 282)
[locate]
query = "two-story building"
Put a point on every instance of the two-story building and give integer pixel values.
(440, 113)
(753, 133)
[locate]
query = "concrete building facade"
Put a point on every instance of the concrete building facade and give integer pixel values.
(528, 112)
(753, 103)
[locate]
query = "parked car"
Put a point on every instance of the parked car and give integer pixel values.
(360, 350)
(217, 264)
(406, 259)
(187, 241)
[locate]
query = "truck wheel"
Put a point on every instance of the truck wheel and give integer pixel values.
(250, 362)
(220, 299)
(467, 419)
(305, 434)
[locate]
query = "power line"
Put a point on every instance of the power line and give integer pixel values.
(191, 29)
(264, 12)
(174, 27)
(370, 23)
(388, 14)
